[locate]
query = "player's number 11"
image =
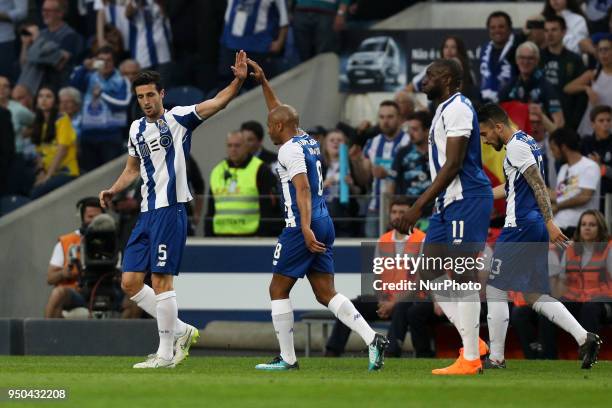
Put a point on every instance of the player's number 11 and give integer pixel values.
(460, 229)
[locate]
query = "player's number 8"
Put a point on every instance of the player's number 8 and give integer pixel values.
(320, 173)
(277, 250)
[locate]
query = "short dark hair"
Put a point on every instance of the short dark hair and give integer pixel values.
(492, 112)
(423, 117)
(255, 127)
(598, 110)
(86, 202)
(453, 69)
(566, 137)
(147, 77)
(399, 200)
(502, 14)
(389, 102)
(557, 19)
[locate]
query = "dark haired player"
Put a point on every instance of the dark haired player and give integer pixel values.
(304, 247)
(158, 148)
(463, 204)
(520, 260)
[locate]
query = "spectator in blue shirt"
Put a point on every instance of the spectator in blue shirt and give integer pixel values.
(106, 97)
(11, 12)
(258, 27)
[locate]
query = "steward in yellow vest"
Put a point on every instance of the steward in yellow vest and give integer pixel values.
(236, 197)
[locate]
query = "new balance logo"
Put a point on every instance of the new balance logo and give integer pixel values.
(357, 316)
(161, 264)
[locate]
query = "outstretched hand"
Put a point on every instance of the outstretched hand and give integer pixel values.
(408, 220)
(258, 74)
(556, 236)
(240, 68)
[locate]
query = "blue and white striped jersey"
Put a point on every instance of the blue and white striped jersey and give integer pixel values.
(163, 147)
(146, 35)
(522, 152)
(455, 117)
(301, 154)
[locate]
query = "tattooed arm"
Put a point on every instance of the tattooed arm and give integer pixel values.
(535, 181)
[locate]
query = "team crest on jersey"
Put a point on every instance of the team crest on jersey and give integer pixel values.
(162, 126)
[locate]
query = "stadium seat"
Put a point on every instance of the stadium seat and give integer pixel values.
(11, 203)
(182, 96)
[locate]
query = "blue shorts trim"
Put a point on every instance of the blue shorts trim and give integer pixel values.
(157, 242)
(520, 259)
(292, 258)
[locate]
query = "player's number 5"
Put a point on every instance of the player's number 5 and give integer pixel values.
(162, 255)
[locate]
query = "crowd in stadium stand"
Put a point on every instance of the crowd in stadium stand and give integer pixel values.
(66, 103)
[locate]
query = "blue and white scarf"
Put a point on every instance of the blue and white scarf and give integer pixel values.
(495, 74)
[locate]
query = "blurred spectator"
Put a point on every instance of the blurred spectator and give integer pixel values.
(242, 189)
(106, 98)
(316, 24)
(63, 270)
(259, 28)
(531, 86)
(596, 83)
(584, 280)
(405, 101)
(343, 214)
(562, 66)
(534, 31)
(541, 136)
(196, 28)
(197, 188)
(22, 95)
(112, 39)
(598, 147)
(55, 141)
(497, 57)
(254, 133)
(144, 27)
(389, 304)
(7, 149)
(410, 167)
(577, 33)
(129, 68)
(21, 118)
(374, 164)
(70, 103)
(452, 47)
(578, 180)
(11, 12)
(48, 55)
(587, 272)
(598, 13)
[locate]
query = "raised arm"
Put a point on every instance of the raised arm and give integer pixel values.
(258, 75)
(127, 177)
(209, 107)
(304, 203)
(537, 184)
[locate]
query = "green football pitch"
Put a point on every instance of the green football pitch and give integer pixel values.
(233, 382)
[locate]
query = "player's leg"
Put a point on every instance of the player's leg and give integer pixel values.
(323, 288)
(589, 343)
(367, 305)
(282, 319)
(498, 317)
(466, 223)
